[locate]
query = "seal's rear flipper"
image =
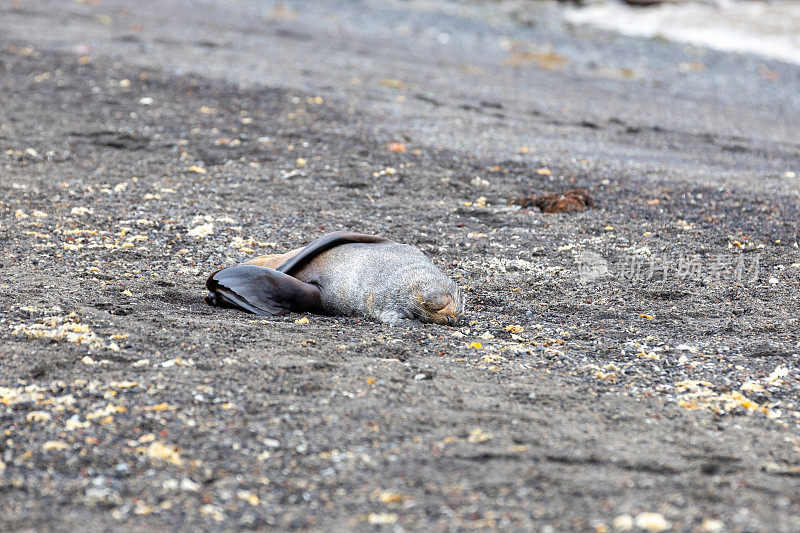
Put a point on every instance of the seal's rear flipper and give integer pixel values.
(323, 244)
(261, 290)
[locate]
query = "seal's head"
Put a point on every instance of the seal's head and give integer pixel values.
(437, 299)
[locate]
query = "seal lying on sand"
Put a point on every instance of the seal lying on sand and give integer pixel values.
(342, 273)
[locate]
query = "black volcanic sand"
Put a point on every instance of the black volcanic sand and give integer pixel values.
(127, 403)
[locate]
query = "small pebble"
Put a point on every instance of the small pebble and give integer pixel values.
(623, 522)
(712, 525)
(652, 522)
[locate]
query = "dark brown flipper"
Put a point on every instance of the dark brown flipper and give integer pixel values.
(323, 244)
(267, 291)
(262, 290)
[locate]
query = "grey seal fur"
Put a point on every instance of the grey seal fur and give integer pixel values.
(342, 273)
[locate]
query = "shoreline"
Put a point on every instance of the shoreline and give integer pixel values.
(761, 28)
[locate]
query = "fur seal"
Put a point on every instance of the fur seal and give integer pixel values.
(342, 273)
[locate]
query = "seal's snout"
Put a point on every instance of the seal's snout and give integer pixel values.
(454, 320)
(449, 315)
(449, 320)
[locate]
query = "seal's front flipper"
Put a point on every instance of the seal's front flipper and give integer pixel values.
(261, 290)
(301, 258)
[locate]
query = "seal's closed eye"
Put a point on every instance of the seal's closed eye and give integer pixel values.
(437, 305)
(262, 290)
